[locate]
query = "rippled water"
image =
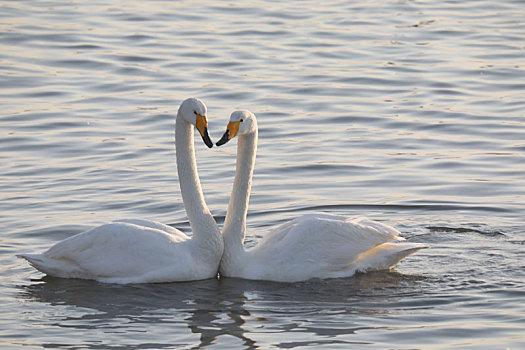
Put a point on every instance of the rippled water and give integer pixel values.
(408, 112)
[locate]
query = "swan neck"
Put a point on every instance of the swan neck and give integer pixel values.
(202, 222)
(235, 222)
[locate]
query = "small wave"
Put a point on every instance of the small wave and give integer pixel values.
(361, 209)
(405, 207)
(446, 229)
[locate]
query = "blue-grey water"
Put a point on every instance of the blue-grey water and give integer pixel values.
(409, 112)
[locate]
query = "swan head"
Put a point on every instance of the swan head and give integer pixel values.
(194, 112)
(241, 123)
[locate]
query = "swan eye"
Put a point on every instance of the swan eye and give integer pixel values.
(241, 120)
(195, 112)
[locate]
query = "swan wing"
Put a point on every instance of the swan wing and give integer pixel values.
(156, 225)
(117, 252)
(316, 245)
(319, 234)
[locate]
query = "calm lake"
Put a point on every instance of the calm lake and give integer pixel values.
(411, 113)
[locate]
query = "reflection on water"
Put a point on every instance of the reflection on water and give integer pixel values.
(214, 308)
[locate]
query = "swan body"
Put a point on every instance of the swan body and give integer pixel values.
(144, 251)
(310, 246)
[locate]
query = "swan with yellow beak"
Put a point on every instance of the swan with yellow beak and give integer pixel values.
(310, 246)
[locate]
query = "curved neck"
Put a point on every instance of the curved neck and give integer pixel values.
(202, 222)
(235, 223)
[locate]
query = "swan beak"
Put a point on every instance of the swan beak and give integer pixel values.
(202, 126)
(231, 131)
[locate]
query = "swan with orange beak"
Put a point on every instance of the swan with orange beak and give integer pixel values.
(310, 246)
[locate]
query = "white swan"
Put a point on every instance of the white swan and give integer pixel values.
(143, 251)
(311, 246)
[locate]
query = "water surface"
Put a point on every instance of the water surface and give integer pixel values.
(408, 112)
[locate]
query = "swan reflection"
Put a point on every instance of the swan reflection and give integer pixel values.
(217, 310)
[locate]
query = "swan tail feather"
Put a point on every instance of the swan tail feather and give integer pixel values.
(385, 256)
(64, 268)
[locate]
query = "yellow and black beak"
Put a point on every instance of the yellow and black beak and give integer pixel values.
(231, 131)
(202, 126)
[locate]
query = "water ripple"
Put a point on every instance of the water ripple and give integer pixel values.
(407, 112)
